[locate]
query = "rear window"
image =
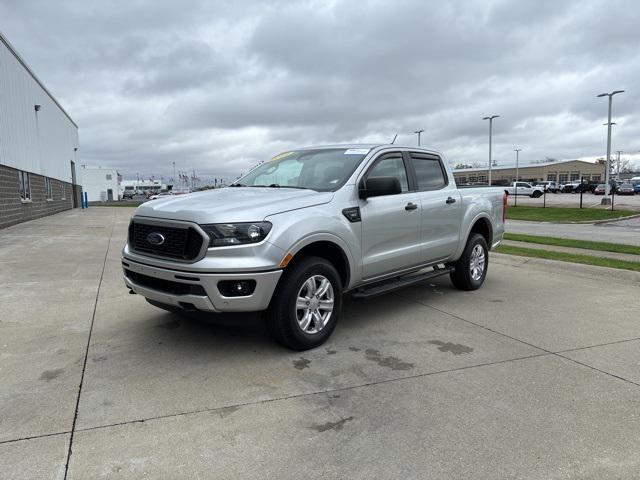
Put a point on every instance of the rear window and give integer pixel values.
(429, 171)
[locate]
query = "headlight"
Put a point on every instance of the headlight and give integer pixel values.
(226, 234)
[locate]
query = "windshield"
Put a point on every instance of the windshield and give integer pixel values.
(322, 170)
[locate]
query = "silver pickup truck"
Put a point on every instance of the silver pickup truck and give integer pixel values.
(298, 231)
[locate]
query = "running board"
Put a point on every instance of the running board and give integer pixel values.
(397, 283)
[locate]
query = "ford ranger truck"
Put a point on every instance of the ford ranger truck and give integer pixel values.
(297, 232)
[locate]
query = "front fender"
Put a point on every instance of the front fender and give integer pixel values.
(292, 231)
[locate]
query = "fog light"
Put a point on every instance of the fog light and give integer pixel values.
(236, 288)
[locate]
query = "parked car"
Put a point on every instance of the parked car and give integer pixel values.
(298, 231)
(155, 196)
(585, 187)
(636, 187)
(524, 188)
(128, 194)
(552, 187)
(600, 189)
(626, 189)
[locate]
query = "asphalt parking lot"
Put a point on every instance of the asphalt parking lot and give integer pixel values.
(533, 376)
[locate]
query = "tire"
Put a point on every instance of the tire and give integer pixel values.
(536, 194)
(462, 277)
(286, 318)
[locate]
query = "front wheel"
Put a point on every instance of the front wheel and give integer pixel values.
(471, 268)
(306, 306)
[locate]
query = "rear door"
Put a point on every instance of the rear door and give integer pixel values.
(441, 207)
(390, 223)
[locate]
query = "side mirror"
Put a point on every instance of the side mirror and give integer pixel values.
(379, 186)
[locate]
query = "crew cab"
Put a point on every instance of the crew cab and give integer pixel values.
(524, 188)
(300, 230)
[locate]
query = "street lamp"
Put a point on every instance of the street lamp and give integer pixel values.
(606, 200)
(418, 132)
(490, 133)
(517, 150)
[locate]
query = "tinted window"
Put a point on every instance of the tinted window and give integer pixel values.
(429, 174)
(391, 166)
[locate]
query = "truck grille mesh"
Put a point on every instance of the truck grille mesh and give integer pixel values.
(179, 243)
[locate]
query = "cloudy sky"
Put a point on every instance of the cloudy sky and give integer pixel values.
(217, 86)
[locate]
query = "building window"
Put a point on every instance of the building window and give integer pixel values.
(595, 178)
(575, 176)
(482, 178)
(473, 179)
(64, 191)
(563, 177)
(108, 176)
(462, 179)
(47, 188)
(552, 176)
(24, 186)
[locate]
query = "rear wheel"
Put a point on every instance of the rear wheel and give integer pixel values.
(306, 305)
(471, 268)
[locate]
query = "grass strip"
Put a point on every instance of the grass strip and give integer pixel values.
(569, 242)
(566, 215)
(570, 257)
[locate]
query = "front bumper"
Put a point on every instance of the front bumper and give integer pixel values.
(212, 300)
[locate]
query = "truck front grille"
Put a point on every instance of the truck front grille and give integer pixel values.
(178, 243)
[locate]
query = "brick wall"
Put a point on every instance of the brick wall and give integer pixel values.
(13, 210)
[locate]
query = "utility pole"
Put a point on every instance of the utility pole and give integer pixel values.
(490, 118)
(606, 200)
(418, 132)
(174, 173)
(517, 150)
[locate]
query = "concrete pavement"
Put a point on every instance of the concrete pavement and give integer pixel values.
(533, 376)
(622, 231)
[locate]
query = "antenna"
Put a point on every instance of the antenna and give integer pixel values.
(394, 139)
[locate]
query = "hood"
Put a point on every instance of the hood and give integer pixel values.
(232, 204)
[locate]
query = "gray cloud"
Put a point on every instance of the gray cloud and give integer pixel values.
(218, 86)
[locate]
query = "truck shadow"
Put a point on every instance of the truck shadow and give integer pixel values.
(249, 330)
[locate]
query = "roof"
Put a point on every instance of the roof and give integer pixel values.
(510, 167)
(6, 42)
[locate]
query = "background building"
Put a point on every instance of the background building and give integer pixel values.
(38, 145)
(562, 172)
(100, 184)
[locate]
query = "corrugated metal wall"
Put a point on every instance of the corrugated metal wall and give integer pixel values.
(40, 142)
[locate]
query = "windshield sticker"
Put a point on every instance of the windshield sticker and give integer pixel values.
(281, 155)
(357, 151)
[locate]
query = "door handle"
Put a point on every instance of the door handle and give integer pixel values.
(410, 206)
(451, 200)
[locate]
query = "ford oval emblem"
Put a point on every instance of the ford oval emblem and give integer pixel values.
(155, 238)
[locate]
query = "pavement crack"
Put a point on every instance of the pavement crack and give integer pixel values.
(547, 352)
(86, 352)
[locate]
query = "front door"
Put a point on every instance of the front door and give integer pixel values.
(110, 194)
(390, 223)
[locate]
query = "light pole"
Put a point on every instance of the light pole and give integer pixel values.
(418, 132)
(606, 200)
(490, 134)
(173, 180)
(517, 150)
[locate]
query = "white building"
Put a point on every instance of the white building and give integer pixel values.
(38, 145)
(101, 184)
